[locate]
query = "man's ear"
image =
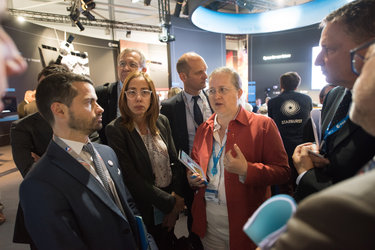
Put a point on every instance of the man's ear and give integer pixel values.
(182, 76)
(59, 110)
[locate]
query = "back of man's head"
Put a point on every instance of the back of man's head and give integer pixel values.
(52, 69)
(182, 65)
(358, 18)
(57, 88)
(290, 81)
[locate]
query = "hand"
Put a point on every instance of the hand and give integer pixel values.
(235, 165)
(179, 205)
(301, 157)
(319, 162)
(194, 179)
(29, 96)
(35, 156)
(170, 221)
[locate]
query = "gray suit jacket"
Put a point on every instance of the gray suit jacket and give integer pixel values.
(65, 207)
(340, 217)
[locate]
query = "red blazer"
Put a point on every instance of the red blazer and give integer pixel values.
(259, 140)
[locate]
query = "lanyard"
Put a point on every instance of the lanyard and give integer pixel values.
(216, 158)
(334, 129)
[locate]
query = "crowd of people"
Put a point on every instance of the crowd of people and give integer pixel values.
(101, 168)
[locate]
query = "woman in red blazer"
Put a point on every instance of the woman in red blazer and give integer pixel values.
(242, 155)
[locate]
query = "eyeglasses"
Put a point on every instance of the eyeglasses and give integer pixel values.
(133, 93)
(221, 91)
(132, 65)
(357, 58)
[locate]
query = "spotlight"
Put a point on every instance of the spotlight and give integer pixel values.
(147, 2)
(128, 34)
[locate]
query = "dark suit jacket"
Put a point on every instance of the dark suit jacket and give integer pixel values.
(174, 109)
(135, 164)
(107, 99)
(347, 150)
(65, 207)
(340, 217)
(29, 134)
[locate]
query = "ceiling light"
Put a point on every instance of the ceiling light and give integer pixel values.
(21, 19)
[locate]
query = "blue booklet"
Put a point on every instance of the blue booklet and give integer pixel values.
(142, 232)
(269, 221)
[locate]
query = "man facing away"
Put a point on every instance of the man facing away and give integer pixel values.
(346, 146)
(129, 60)
(290, 110)
(74, 197)
(186, 111)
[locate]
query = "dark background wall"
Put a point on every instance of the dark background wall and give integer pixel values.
(297, 42)
(211, 46)
(28, 37)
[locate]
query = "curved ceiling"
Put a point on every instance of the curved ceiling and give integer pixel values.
(261, 22)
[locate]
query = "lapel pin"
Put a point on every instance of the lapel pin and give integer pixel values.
(118, 171)
(110, 163)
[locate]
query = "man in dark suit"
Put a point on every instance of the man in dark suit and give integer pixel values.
(181, 111)
(342, 216)
(290, 110)
(346, 146)
(74, 196)
(129, 60)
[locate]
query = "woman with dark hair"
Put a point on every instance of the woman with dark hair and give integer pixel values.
(142, 140)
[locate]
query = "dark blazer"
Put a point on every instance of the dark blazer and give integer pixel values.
(29, 134)
(174, 109)
(135, 164)
(65, 207)
(107, 99)
(347, 150)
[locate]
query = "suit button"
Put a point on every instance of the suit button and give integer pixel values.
(126, 231)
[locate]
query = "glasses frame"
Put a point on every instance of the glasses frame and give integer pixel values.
(129, 92)
(221, 90)
(122, 64)
(353, 53)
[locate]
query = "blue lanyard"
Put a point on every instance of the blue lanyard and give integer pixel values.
(334, 129)
(216, 158)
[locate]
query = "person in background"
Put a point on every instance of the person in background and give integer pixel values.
(324, 91)
(346, 147)
(173, 91)
(29, 98)
(342, 216)
(241, 154)
(74, 196)
(11, 63)
(185, 112)
(258, 104)
(128, 60)
(142, 140)
(290, 110)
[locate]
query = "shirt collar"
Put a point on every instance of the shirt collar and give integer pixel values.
(74, 145)
(189, 97)
(120, 84)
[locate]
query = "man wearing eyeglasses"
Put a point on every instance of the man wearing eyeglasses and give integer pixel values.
(341, 217)
(129, 60)
(346, 147)
(186, 111)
